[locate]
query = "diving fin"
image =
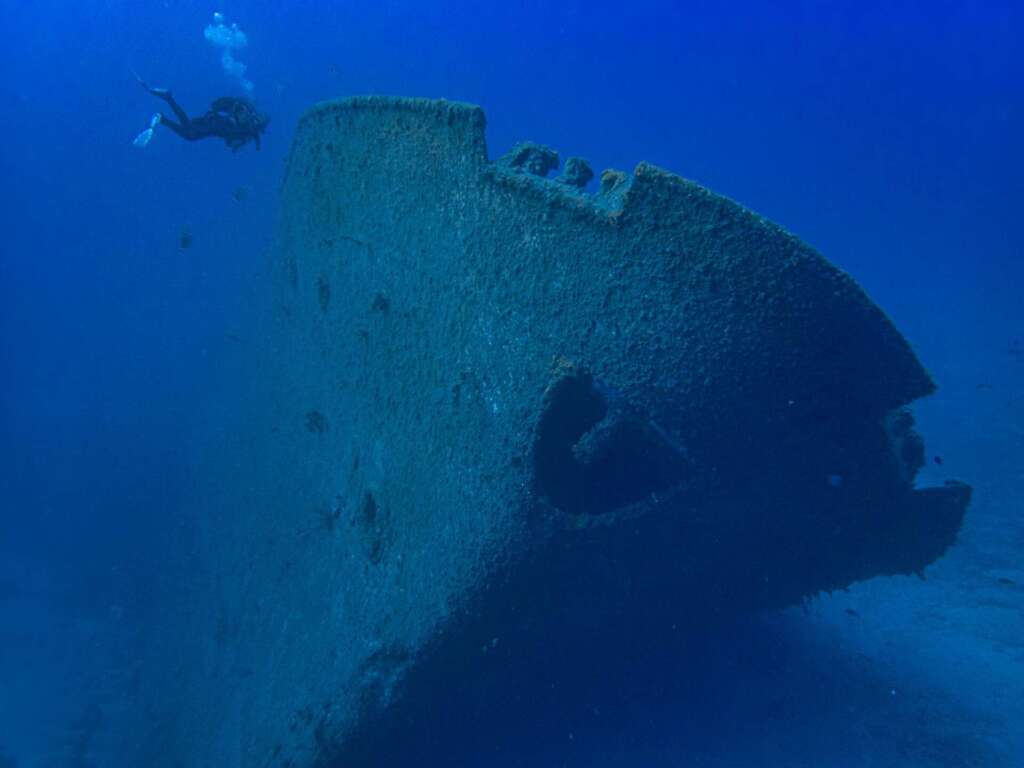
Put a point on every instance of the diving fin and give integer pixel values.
(143, 138)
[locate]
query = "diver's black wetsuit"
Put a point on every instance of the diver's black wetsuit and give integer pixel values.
(233, 119)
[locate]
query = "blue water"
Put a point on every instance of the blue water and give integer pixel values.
(887, 135)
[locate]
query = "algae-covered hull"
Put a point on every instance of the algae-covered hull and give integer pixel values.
(503, 409)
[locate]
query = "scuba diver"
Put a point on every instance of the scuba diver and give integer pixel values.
(233, 119)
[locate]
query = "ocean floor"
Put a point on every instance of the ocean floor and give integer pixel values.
(895, 672)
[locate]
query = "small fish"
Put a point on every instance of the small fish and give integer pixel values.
(241, 194)
(185, 238)
(937, 460)
(851, 612)
(1007, 582)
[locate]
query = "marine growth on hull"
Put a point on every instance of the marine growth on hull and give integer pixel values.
(509, 408)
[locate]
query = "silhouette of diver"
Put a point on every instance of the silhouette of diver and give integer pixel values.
(233, 119)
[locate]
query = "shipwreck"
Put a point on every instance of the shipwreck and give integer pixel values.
(502, 415)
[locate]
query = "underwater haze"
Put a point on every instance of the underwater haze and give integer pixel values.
(138, 271)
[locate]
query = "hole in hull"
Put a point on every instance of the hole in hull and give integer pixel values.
(592, 456)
